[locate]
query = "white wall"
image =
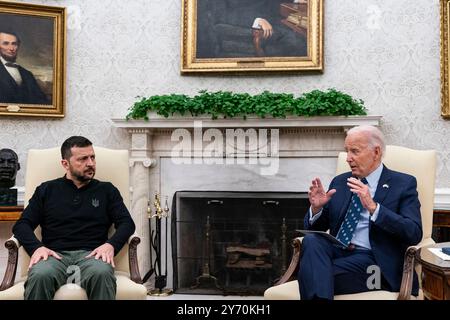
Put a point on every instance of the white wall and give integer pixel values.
(382, 51)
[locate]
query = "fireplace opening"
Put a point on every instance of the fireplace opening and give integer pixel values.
(233, 243)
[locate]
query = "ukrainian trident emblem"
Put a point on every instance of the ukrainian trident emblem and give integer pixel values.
(95, 203)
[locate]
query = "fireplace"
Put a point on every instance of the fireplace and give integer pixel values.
(233, 243)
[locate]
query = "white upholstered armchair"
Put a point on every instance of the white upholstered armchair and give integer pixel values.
(422, 165)
(43, 165)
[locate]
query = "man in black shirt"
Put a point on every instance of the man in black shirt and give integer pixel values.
(75, 213)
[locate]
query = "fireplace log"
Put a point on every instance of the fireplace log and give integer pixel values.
(248, 264)
(257, 252)
(241, 257)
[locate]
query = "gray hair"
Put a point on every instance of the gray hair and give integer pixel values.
(375, 136)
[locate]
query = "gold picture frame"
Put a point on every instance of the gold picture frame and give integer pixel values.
(32, 60)
(445, 32)
(237, 36)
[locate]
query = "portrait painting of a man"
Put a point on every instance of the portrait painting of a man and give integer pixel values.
(251, 28)
(26, 60)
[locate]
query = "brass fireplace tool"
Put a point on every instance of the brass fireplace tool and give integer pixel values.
(155, 245)
(206, 280)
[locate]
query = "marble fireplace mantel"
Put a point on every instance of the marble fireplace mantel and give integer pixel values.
(307, 146)
(251, 122)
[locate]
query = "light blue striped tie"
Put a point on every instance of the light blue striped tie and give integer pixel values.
(351, 219)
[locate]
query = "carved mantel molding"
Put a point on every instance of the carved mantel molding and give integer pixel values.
(146, 162)
(157, 122)
(298, 136)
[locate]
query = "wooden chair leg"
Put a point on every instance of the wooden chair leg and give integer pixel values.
(11, 268)
(291, 272)
(133, 260)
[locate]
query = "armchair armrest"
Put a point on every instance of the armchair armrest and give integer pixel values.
(133, 242)
(292, 270)
(408, 274)
(408, 269)
(12, 244)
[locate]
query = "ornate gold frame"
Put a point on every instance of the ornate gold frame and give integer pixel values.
(312, 62)
(58, 16)
(445, 32)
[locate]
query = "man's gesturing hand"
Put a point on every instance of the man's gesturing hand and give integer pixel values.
(104, 252)
(42, 253)
(317, 195)
(363, 192)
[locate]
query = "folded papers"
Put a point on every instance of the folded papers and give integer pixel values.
(438, 252)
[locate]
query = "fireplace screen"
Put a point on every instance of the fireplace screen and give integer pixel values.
(233, 243)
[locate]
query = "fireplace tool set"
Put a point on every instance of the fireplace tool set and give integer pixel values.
(154, 222)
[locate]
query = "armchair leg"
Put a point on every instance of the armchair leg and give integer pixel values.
(408, 274)
(291, 272)
(11, 268)
(133, 260)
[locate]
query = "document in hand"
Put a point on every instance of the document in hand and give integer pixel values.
(324, 234)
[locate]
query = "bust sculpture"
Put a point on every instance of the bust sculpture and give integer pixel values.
(9, 165)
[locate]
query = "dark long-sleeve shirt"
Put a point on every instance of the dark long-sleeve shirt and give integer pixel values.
(74, 219)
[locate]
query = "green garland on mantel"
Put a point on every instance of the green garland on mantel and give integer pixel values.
(225, 104)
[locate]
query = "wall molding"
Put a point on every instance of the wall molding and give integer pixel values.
(20, 195)
(441, 197)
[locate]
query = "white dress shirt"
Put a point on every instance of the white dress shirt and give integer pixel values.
(14, 72)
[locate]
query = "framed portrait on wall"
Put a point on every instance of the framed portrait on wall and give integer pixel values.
(251, 35)
(32, 60)
(445, 81)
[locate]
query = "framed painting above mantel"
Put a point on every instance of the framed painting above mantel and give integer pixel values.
(32, 60)
(251, 36)
(445, 70)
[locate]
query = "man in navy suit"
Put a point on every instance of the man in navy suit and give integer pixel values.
(17, 84)
(389, 222)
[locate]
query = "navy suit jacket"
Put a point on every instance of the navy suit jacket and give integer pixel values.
(29, 92)
(397, 226)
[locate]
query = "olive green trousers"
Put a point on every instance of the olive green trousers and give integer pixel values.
(94, 276)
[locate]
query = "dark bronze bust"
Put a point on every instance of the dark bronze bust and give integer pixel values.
(9, 165)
